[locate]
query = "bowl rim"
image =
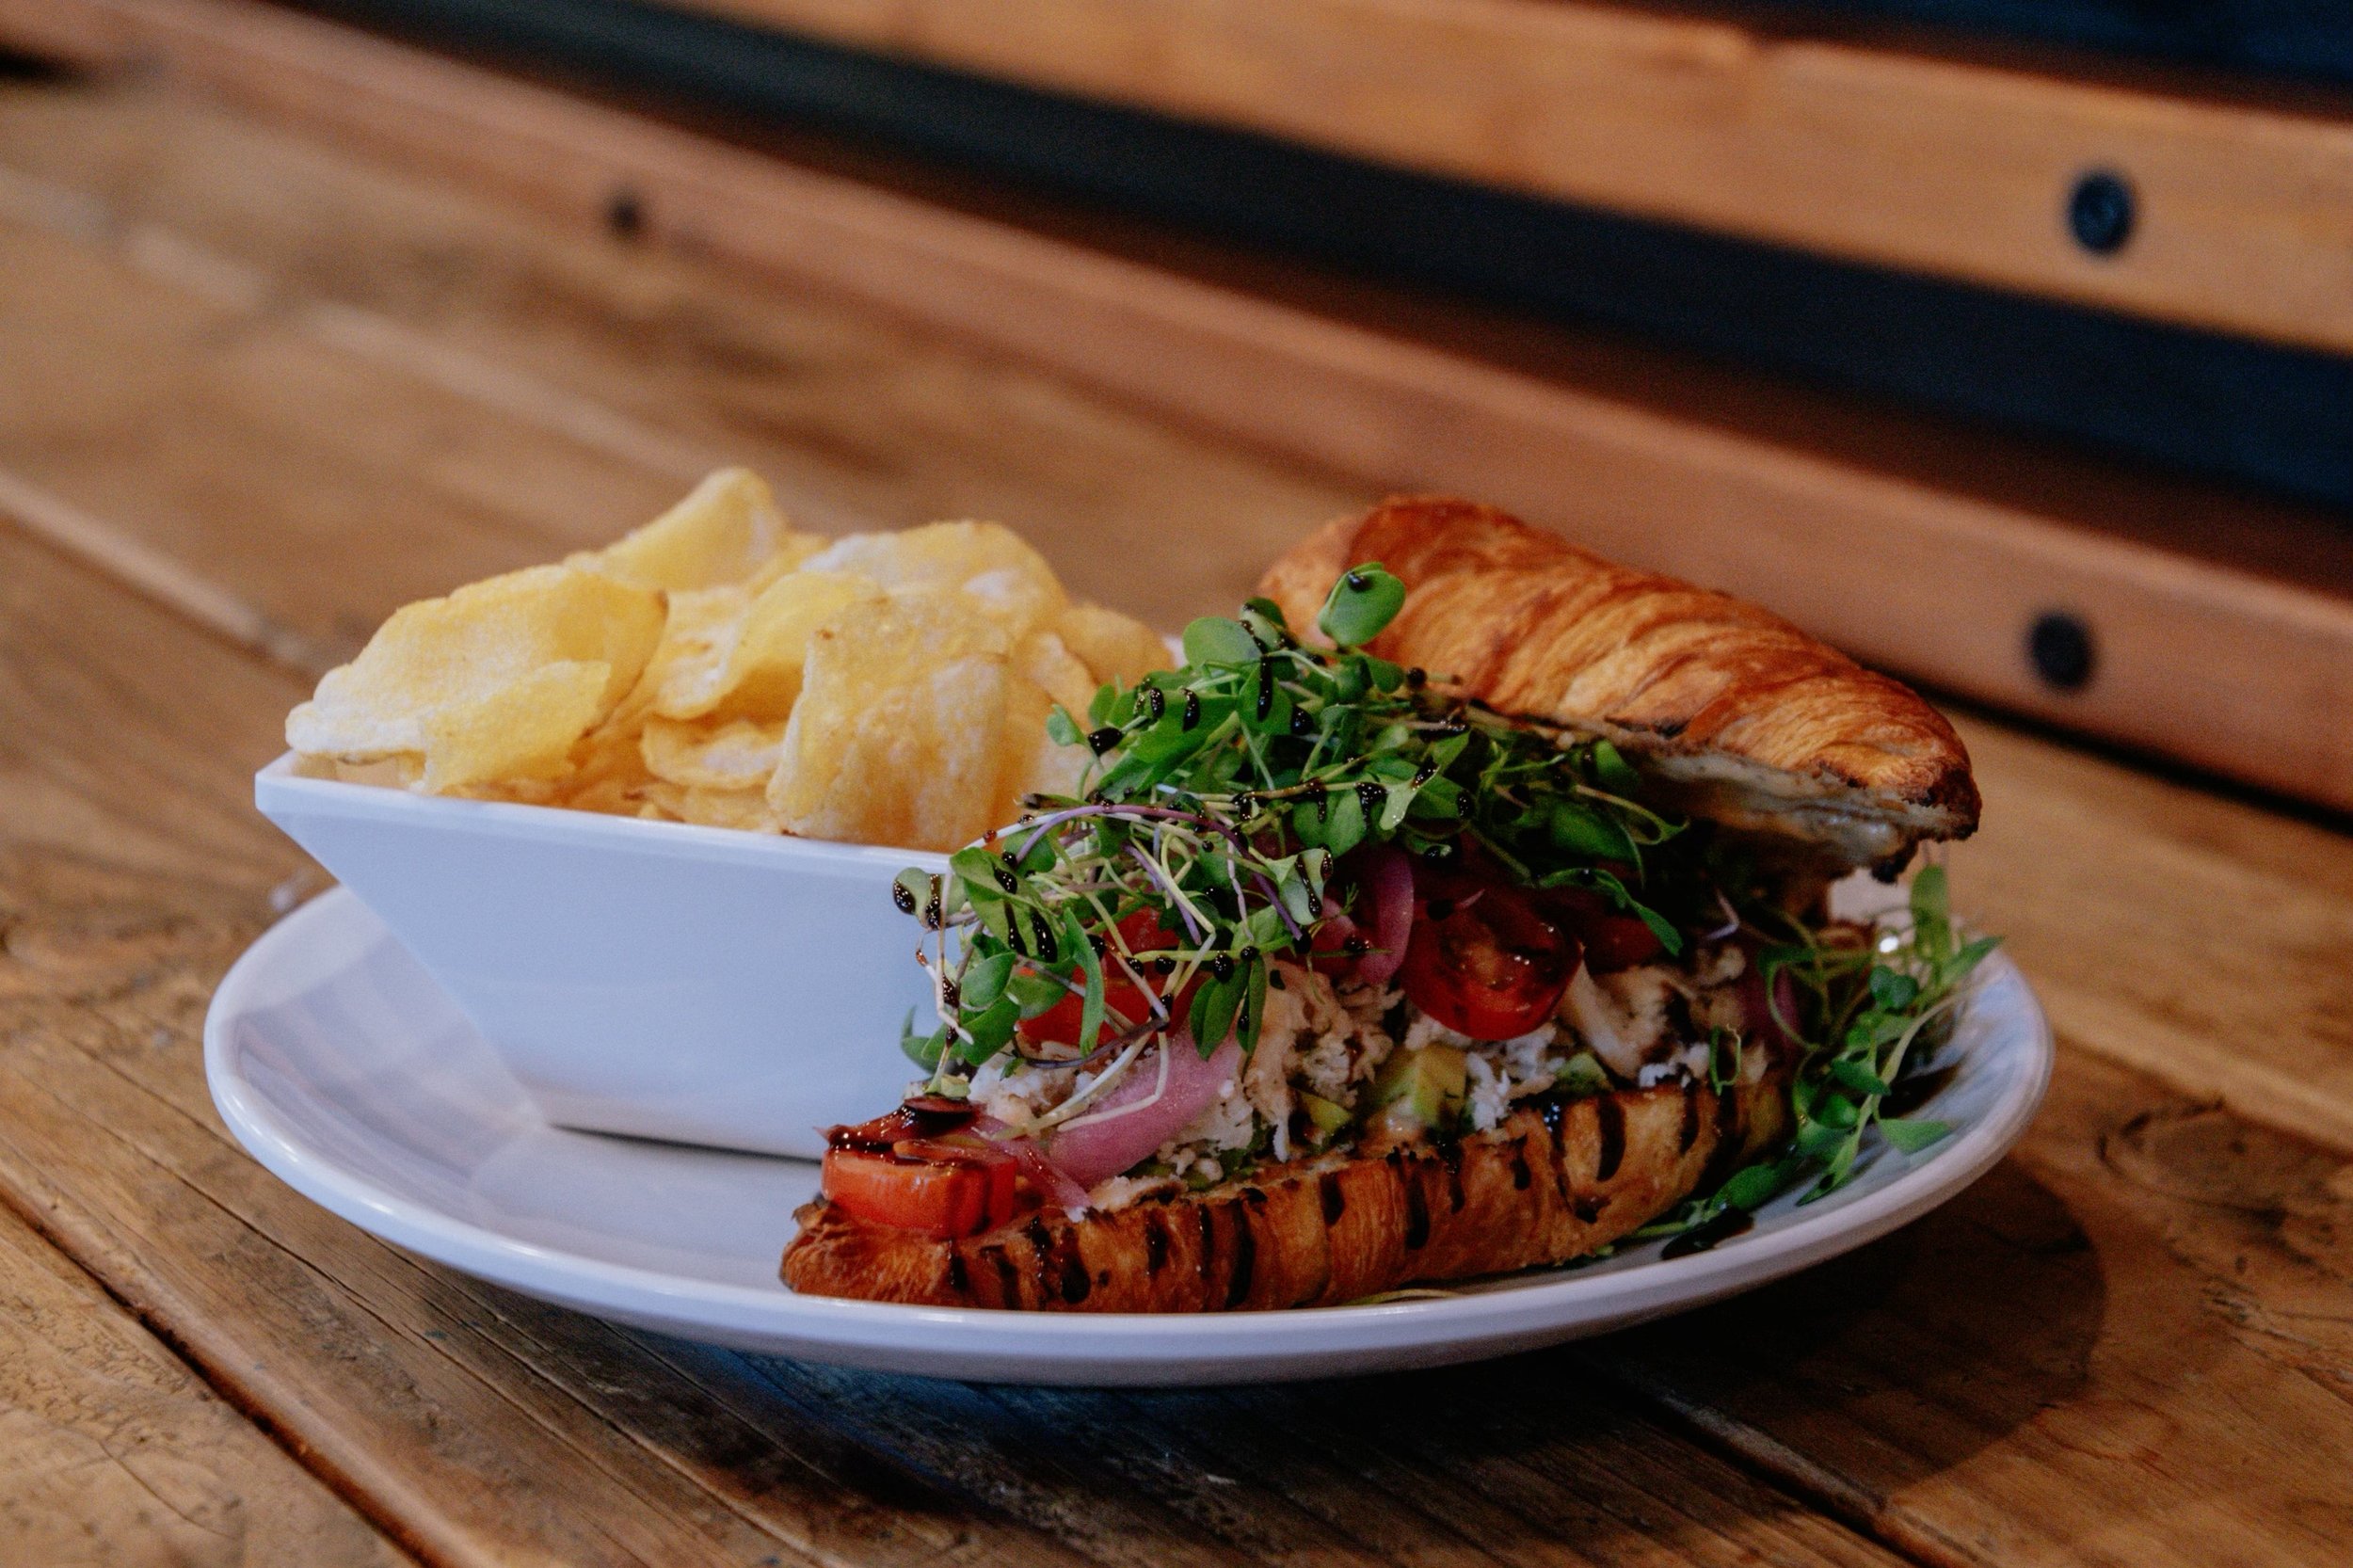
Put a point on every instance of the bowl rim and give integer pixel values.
(279, 792)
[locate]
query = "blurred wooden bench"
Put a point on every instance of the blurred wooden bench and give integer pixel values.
(2194, 621)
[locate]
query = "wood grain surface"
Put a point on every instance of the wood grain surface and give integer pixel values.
(2126, 1346)
(114, 1455)
(2223, 626)
(1842, 143)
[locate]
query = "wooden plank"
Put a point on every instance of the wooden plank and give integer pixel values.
(2128, 1345)
(1958, 167)
(255, 305)
(485, 1428)
(2199, 939)
(113, 1455)
(1944, 559)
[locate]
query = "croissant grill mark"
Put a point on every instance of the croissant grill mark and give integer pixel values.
(1556, 1180)
(1763, 724)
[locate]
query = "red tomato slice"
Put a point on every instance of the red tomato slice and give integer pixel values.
(938, 1189)
(1616, 942)
(1142, 932)
(1484, 963)
(1611, 940)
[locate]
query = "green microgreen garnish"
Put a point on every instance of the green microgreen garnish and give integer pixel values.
(1864, 1011)
(1209, 836)
(1218, 802)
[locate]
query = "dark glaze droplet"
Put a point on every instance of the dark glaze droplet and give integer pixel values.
(1451, 1154)
(1006, 880)
(1075, 1283)
(1155, 1243)
(1103, 740)
(1417, 1209)
(1334, 1201)
(1266, 689)
(1731, 1131)
(1416, 677)
(1193, 708)
(1357, 582)
(904, 896)
(1246, 1258)
(1373, 797)
(1612, 1117)
(1155, 702)
(1700, 1238)
(1586, 1207)
(1047, 948)
(1424, 773)
(1303, 722)
(1041, 1256)
(958, 1280)
(1690, 1131)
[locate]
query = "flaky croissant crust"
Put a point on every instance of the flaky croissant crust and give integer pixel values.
(1762, 724)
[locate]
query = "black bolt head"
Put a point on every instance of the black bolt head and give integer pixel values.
(2100, 212)
(2060, 648)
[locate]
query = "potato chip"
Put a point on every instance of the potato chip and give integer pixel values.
(735, 755)
(752, 667)
(726, 530)
(895, 739)
(1113, 647)
(992, 564)
(1043, 673)
(696, 640)
(496, 680)
(746, 810)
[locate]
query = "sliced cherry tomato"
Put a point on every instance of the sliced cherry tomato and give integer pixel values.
(1616, 942)
(1612, 940)
(1483, 962)
(1142, 932)
(940, 1187)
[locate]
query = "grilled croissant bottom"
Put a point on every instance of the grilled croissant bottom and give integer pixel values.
(1556, 1180)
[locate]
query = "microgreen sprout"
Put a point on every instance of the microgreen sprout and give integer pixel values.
(1212, 832)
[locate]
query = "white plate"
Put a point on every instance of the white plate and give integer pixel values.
(346, 1071)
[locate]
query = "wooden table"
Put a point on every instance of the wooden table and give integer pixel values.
(254, 393)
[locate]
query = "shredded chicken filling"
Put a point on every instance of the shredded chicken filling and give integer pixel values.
(1643, 1026)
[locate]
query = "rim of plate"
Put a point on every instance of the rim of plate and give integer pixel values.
(488, 1254)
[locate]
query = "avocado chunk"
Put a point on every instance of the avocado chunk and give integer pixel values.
(1422, 1088)
(1326, 1116)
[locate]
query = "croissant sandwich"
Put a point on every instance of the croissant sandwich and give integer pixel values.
(1459, 907)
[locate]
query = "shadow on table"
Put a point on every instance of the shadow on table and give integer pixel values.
(1877, 1369)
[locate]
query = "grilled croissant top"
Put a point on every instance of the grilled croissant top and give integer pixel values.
(1742, 716)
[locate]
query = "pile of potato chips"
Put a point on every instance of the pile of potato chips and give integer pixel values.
(717, 667)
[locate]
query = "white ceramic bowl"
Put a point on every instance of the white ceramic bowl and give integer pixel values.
(692, 983)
